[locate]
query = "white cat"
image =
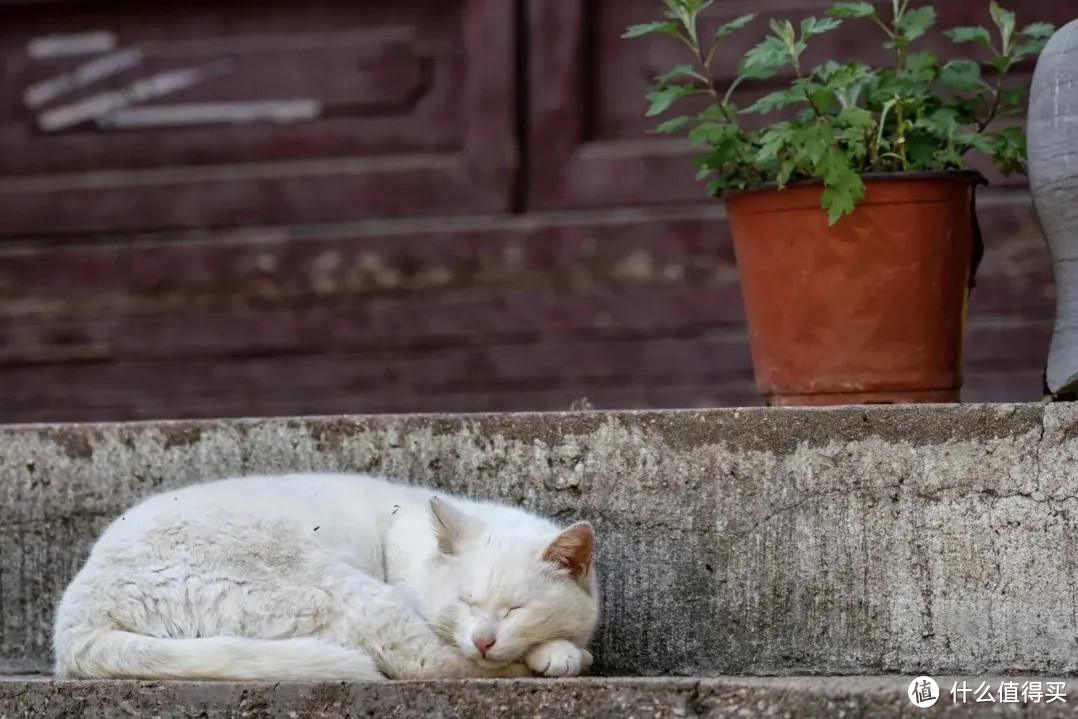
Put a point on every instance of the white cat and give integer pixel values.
(328, 577)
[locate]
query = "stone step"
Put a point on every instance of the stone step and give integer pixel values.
(880, 540)
(624, 698)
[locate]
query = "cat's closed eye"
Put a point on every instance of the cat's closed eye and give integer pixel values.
(510, 610)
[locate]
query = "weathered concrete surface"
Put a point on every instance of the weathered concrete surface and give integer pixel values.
(766, 541)
(862, 697)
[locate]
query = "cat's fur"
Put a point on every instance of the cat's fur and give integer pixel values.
(319, 577)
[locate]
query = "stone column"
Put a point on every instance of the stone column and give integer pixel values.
(1053, 175)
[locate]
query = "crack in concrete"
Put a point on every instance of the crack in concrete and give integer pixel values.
(1038, 450)
(780, 511)
(881, 492)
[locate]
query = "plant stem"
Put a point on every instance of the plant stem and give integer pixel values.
(705, 70)
(883, 124)
(882, 26)
(900, 143)
(797, 69)
(711, 88)
(997, 93)
(897, 35)
(730, 90)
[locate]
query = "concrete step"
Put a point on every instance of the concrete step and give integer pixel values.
(715, 698)
(884, 540)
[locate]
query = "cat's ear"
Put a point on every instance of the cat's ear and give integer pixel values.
(572, 549)
(451, 526)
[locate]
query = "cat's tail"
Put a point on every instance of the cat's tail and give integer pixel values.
(116, 654)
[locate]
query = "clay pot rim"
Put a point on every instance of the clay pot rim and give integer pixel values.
(972, 176)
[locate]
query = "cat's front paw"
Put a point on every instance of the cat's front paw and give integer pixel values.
(559, 658)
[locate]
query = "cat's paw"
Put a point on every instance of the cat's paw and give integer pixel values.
(558, 659)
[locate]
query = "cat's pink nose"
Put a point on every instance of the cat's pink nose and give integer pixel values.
(483, 642)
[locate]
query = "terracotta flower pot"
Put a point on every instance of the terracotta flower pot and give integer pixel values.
(870, 310)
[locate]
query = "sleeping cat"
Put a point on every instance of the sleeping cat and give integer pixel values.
(328, 577)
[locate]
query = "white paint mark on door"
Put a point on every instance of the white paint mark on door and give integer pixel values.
(87, 43)
(150, 88)
(44, 92)
(188, 114)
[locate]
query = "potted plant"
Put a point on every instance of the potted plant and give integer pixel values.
(848, 192)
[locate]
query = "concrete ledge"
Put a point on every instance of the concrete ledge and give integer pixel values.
(767, 541)
(863, 697)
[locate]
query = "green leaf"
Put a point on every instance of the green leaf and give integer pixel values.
(942, 123)
(725, 154)
(852, 9)
(812, 144)
(1003, 63)
(811, 26)
(679, 72)
(1042, 30)
(841, 197)
(651, 28)
(1027, 48)
(915, 23)
(843, 187)
(855, 127)
(845, 81)
(822, 98)
(856, 117)
(786, 171)
(685, 11)
(772, 141)
(733, 26)
(969, 34)
(762, 60)
(714, 134)
(673, 125)
(1014, 96)
(921, 149)
(975, 141)
(1004, 20)
(922, 65)
(663, 98)
(948, 157)
(784, 30)
(776, 100)
(961, 75)
(966, 109)
(1009, 151)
